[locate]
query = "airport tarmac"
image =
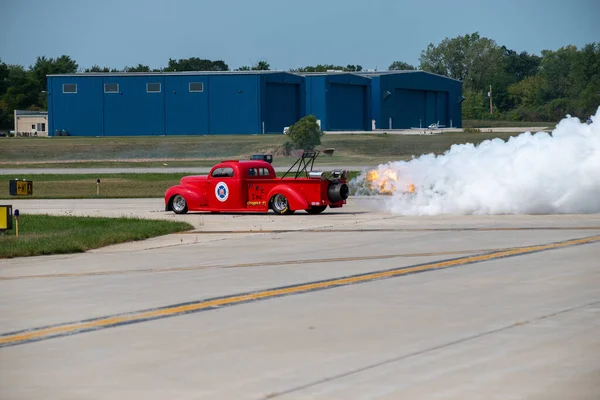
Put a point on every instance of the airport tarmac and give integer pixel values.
(355, 303)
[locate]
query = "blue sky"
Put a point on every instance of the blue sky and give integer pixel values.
(287, 34)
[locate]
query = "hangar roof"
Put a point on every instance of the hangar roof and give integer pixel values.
(379, 73)
(174, 73)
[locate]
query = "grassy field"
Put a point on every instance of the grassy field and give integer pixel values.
(204, 151)
(83, 186)
(76, 186)
(44, 234)
(477, 123)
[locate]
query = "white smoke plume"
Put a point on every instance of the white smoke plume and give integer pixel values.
(542, 173)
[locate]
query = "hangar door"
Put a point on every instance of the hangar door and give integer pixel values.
(420, 108)
(441, 108)
(282, 106)
(346, 107)
(409, 109)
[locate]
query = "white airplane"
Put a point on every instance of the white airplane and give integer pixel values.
(434, 126)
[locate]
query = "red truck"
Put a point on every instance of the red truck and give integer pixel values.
(251, 186)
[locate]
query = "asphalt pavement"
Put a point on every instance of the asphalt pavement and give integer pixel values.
(355, 303)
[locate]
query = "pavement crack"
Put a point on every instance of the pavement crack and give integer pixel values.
(332, 378)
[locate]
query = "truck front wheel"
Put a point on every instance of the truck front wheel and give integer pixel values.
(178, 204)
(279, 204)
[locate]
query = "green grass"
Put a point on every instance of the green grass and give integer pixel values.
(44, 234)
(205, 151)
(74, 186)
(143, 148)
(83, 186)
(475, 123)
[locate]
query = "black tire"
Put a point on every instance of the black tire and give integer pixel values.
(316, 209)
(178, 204)
(280, 205)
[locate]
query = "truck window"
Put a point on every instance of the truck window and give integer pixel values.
(223, 173)
(258, 172)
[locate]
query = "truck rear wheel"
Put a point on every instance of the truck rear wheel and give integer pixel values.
(316, 209)
(279, 204)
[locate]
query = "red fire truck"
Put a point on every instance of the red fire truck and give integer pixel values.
(252, 186)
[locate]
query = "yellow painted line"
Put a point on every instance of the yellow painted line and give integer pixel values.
(111, 321)
(244, 265)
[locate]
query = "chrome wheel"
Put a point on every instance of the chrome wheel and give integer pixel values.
(179, 205)
(280, 205)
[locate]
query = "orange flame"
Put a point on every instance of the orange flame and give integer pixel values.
(386, 181)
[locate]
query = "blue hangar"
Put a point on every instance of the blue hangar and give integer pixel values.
(414, 99)
(194, 103)
(254, 102)
(341, 101)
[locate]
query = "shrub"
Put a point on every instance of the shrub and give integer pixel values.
(305, 134)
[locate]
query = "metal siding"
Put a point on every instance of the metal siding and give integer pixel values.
(409, 107)
(346, 109)
(348, 102)
(49, 83)
(430, 117)
(441, 108)
(187, 113)
(282, 100)
(282, 106)
(387, 107)
(132, 111)
(376, 101)
(316, 98)
(80, 114)
(234, 104)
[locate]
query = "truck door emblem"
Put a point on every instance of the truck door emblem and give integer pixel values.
(221, 191)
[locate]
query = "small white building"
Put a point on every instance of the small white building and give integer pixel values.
(31, 123)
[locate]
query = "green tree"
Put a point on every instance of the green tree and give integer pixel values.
(3, 77)
(401, 66)
(328, 67)
(41, 69)
(49, 66)
(22, 93)
(305, 134)
(4, 117)
(353, 68)
(138, 68)
(526, 92)
(556, 67)
(475, 105)
(195, 64)
(96, 68)
(261, 66)
(471, 58)
(520, 65)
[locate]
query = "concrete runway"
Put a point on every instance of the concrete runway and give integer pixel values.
(350, 304)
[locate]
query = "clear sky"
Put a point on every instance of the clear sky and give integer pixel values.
(288, 34)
